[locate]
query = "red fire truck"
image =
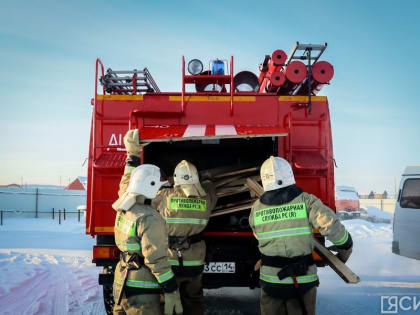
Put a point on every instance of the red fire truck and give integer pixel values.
(219, 119)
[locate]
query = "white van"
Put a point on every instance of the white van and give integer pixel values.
(407, 215)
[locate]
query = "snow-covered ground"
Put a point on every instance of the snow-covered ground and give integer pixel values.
(378, 213)
(382, 273)
(46, 268)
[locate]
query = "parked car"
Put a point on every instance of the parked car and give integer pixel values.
(346, 199)
(406, 229)
(347, 202)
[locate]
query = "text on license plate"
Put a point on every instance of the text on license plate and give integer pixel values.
(220, 267)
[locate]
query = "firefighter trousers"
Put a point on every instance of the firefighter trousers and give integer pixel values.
(271, 305)
(191, 291)
(143, 304)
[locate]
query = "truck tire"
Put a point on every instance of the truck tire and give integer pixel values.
(108, 299)
(107, 293)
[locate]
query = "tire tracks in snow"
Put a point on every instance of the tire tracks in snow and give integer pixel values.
(56, 285)
(15, 302)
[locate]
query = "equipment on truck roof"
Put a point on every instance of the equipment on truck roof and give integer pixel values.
(128, 81)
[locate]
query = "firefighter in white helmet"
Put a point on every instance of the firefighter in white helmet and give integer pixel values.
(282, 221)
(186, 208)
(140, 233)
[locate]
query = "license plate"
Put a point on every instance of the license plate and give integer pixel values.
(220, 267)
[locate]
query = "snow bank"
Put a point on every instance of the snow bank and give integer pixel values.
(378, 213)
(372, 256)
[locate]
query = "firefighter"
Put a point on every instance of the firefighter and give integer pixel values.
(282, 221)
(186, 208)
(141, 235)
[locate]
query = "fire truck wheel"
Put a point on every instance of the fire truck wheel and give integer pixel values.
(107, 292)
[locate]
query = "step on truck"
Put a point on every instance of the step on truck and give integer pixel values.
(225, 123)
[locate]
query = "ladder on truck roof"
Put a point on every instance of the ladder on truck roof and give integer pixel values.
(306, 52)
(128, 82)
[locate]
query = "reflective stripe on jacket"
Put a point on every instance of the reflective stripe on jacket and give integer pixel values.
(142, 231)
(300, 279)
(186, 216)
(286, 230)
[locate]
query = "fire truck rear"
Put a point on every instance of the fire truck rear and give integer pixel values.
(226, 124)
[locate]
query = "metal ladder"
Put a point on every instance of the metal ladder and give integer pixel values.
(321, 147)
(128, 82)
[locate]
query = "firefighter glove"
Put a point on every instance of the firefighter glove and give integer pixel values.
(173, 303)
(132, 142)
(342, 254)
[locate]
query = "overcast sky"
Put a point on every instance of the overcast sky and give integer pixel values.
(48, 49)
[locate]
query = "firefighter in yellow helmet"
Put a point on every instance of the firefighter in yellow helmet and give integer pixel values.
(186, 209)
(140, 233)
(282, 221)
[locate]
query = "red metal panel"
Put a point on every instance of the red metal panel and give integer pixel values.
(89, 194)
(309, 161)
(207, 79)
(210, 130)
(253, 114)
(110, 160)
(162, 132)
(172, 132)
(260, 130)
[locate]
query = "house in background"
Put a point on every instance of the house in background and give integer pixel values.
(80, 183)
(374, 195)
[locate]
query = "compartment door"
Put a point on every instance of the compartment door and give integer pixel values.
(166, 133)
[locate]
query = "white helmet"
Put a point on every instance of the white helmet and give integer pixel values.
(145, 180)
(276, 173)
(186, 176)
